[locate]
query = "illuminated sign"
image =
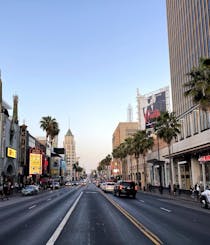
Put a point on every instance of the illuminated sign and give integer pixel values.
(11, 152)
(204, 158)
(35, 164)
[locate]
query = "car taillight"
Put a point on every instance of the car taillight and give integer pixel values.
(136, 187)
(121, 187)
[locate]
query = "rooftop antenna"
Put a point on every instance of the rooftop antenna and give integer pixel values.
(130, 113)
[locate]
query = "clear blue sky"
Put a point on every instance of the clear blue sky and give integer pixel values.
(81, 61)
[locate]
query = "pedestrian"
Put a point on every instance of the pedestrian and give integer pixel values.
(5, 190)
(161, 189)
(197, 190)
(169, 189)
(178, 189)
(174, 187)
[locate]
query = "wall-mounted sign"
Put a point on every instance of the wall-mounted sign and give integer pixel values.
(11, 152)
(204, 158)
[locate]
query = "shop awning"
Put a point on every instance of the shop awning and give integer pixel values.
(155, 161)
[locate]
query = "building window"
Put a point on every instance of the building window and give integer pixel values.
(195, 121)
(188, 126)
(204, 120)
(182, 129)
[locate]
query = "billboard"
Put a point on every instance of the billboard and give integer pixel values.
(155, 103)
(35, 163)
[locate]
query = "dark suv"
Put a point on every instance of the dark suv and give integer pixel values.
(125, 187)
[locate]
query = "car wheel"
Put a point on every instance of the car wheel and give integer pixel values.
(204, 203)
(118, 193)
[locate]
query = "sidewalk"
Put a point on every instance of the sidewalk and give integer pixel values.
(14, 198)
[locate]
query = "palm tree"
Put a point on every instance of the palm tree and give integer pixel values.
(122, 156)
(130, 152)
(198, 87)
(119, 153)
(167, 128)
(142, 142)
(49, 125)
(104, 163)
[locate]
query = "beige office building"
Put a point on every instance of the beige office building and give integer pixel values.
(189, 39)
(123, 131)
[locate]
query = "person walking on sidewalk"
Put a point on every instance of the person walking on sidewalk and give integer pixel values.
(197, 190)
(5, 191)
(169, 189)
(174, 187)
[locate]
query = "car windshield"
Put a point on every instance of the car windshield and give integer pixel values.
(128, 184)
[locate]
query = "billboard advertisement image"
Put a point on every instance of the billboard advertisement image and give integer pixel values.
(35, 163)
(155, 104)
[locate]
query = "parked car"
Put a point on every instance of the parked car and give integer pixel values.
(55, 185)
(125, 187)
(109, 186)
(30, 190)
(68, 184)
(102, 186)
(205, 198)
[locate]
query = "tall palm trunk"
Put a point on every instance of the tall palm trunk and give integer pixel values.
(137, 162)
(170, 165)
(131, 177)
(145, 173)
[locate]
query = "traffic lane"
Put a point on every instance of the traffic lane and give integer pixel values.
(17, 209)
(176, 201)
(96, 221)
(37, 224)
(172, 223)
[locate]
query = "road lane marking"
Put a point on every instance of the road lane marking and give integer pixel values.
(59, 229)
(32, 207)
(151, 236)
(167, 210)
(141, 200)
(49, 199)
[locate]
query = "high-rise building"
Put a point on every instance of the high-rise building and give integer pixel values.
(189, 40)
(70, 153)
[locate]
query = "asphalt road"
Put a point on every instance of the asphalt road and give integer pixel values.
(86, 215)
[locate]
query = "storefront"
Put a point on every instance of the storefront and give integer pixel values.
(205, 166)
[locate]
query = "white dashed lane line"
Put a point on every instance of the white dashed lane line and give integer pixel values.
(164, 209)
(32, 207)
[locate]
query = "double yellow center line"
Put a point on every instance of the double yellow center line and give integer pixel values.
(133, 220)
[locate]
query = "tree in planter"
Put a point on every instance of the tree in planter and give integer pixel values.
(167, 128)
